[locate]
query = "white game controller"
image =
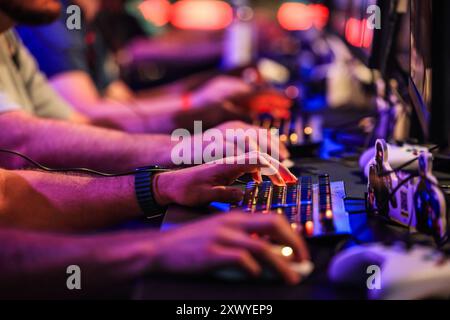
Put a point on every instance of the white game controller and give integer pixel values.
(397, 156)
(417, 273)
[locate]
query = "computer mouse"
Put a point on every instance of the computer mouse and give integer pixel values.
(304, 269)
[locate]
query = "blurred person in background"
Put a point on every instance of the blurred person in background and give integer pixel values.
(29, 109)
(137, 30)
(78, 65)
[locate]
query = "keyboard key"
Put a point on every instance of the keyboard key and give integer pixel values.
(249, 201)
(325, 203)
(263, 200)
(278, 197)
(292, 194)
(297, 202)
(306, 200)
(291, 213)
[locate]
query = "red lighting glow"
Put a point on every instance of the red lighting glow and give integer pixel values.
(321, 15)
(201, 15)
(358, 34)
(273, 103)
(156, 11)
(298, 16)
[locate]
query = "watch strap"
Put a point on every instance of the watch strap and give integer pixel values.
(143, 184)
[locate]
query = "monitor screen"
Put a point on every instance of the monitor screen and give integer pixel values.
(420, 59)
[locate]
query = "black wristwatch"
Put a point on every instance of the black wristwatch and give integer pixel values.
(143, 185)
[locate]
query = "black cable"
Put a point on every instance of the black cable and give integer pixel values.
(74, 170)
(385, 205)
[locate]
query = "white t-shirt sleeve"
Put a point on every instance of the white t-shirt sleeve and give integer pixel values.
(6, 104)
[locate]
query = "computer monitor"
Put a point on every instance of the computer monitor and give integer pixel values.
(420, 80)
(429, 81)
(439, 130)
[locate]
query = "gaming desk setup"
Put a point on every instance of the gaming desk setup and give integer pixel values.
(372, 191)
(359, 92)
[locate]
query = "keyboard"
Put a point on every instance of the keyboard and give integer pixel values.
(295, 131)
(315, 209)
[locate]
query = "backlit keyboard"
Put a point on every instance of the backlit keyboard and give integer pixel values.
(295, 131)
(317, 209)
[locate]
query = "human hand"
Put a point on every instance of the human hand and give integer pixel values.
(230, 240)
(220, 89)
(234, 138)
(212, 181)
(268, 142)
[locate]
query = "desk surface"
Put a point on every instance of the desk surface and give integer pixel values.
(365, 229)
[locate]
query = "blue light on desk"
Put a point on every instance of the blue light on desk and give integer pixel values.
(328, 145)
(221, 206)
(315, 103)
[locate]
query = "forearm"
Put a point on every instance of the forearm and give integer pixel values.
(34, 265)
(111, 114)
(62, 144)
(118, 109)
(157, 116)
(50, 202)
(162, 114)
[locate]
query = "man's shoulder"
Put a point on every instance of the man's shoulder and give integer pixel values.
(7, 104)
(8, 41)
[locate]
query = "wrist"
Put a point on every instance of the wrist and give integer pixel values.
(146, 253)
(161, 189)
(128, 255)
(145, 190)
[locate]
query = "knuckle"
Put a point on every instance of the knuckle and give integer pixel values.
(220, 233)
